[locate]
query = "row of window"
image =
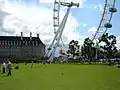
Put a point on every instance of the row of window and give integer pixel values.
(5, 42)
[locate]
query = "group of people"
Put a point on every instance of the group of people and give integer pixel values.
(4, 68)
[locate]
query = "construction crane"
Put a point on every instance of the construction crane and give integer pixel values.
(58, 33)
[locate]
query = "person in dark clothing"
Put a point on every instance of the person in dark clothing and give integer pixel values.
(9, 68)
(17, 67)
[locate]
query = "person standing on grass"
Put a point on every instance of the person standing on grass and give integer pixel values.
(9, 68)
(3, 67)
(32, 64)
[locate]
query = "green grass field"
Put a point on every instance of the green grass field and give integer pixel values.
(75, 77)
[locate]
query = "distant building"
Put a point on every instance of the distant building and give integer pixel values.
(22, 48)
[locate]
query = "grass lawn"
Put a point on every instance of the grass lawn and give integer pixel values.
(74, 77)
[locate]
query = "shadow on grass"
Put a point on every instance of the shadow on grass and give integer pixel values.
(1, 83)
(102, 64)
(3, 75)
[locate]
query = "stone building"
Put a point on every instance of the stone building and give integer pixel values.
(21, 48)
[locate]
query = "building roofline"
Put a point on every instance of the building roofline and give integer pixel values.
(19, 38)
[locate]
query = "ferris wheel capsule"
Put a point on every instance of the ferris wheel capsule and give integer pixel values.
(113, 10)
(108, 25)
(75, 4)
(55, 25)
(55, 17)
(49, 48)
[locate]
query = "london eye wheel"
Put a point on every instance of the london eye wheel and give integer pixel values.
(105, 22)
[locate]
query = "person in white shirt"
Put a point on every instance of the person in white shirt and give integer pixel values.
(3, 67)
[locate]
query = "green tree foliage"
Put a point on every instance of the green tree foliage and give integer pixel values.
(117, 55)
(109, 49)
(43, 58)
(88, 50)
(74, 49)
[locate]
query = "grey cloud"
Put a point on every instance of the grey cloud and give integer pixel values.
(47, 41)
(2, 16)
(8, 31)
(64, 38)
(1, 3)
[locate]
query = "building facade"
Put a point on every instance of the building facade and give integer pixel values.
(21, 48)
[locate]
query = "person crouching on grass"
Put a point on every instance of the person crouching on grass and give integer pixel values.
(9, 68)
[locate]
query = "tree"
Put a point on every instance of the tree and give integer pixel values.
(117, 55)
(73, 50)
(109, 49)
(88, 50)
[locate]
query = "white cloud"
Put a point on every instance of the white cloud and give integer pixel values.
(93, 6)
(92, 30)
(47, 1)
(118, 42)
(31, 17)
(84, 25)
(99, 6)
